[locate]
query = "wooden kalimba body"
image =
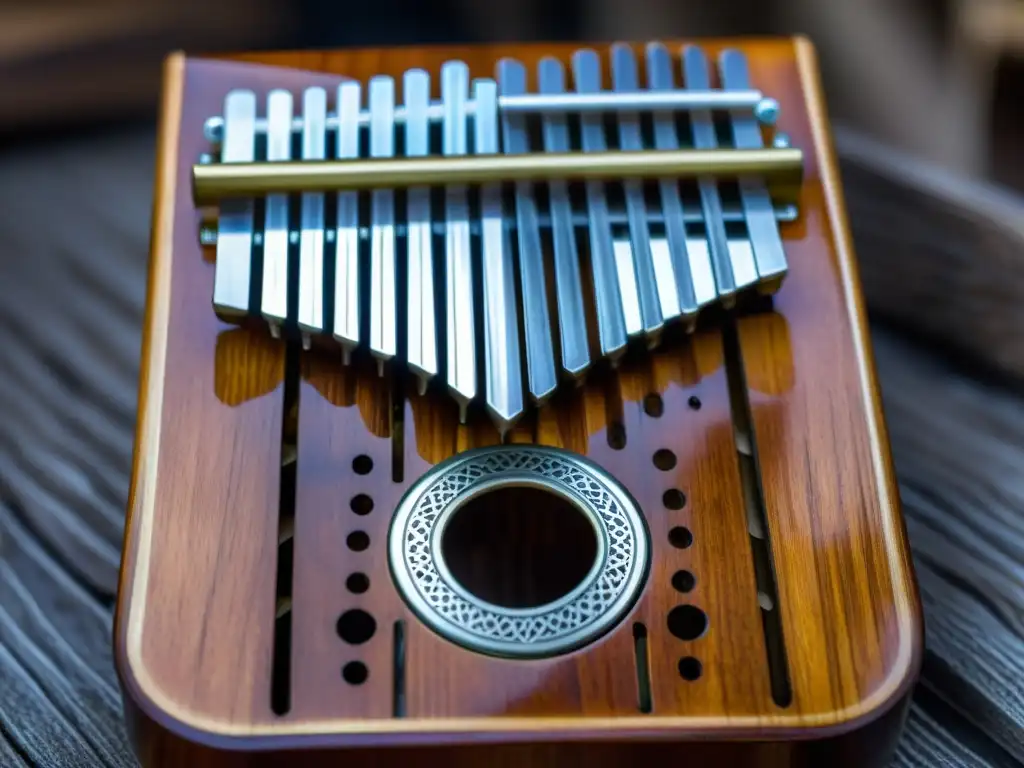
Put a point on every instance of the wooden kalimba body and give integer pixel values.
(533, 422)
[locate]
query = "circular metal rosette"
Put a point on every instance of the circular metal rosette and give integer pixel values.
(606, 593)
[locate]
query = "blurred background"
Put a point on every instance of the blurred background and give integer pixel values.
(939, 78)
(927, 101)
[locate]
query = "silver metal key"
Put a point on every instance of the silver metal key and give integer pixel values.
(652, 312)
(311, 235)
(568, 284)
(346, 273)
(233, 268)
(383, 305)
(274, 300)
(614, 309)
(540, 354)
(504, 377)
(685, 263)
(730, 274)
(422, 332)
(769, 255)
(461, 341)
(572, 322)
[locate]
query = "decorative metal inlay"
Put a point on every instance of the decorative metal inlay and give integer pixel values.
(610, 588)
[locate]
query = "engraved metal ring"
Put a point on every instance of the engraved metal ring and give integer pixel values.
(608, 591)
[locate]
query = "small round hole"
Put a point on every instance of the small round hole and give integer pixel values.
(362, 464)
(654, 406)
(355, 673)
(361, 504)
(357, 583)
(673, 499)
(357, 541)
(356, 626)
(616, 436)
(687, 622)
(664, 459)
(683, 581)
(694, 402)
(690, 668)
(680, 537)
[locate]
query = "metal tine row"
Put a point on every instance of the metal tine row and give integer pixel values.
(641, 282)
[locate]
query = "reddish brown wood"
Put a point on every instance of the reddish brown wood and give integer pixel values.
(196, 608)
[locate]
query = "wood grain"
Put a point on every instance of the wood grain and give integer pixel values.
(196, 605)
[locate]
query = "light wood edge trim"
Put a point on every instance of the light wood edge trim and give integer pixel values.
(134, 577)
(220, 733)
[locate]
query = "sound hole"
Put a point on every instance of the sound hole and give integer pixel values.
(519, 547)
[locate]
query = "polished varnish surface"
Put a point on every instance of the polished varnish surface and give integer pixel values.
(197, 607)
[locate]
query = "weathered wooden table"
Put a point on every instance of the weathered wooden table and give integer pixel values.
(943, 270)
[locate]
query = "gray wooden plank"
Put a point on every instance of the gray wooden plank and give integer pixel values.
(10, 755)
(76, 614)
(33, 725)
(940, 255)
(927, 744)
(88, 703)
(958, 448)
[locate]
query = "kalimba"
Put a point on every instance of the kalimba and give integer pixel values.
(509, 406)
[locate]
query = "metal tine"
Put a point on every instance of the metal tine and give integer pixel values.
(691, 269)
(652, 312)
(311, 236)
(274, 300)
(540, 356)
(730, 273)
(383, 305)
(504, 376)
(613, 320)
(769, 255)
(422, 333)
(346, 281)
(232, 272)
(461, 346)
(572, 321)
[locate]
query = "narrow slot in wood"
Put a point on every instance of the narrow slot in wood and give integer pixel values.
(643, 669)
(757, 524)
(398, 669)
(280, 676)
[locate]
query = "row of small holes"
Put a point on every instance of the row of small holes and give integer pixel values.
(654, 406)
(687, 622)
(356, 626)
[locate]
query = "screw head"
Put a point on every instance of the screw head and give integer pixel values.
(213, 130)
(767, 111)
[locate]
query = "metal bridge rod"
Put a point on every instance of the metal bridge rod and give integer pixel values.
(765, 109)
(780, 169)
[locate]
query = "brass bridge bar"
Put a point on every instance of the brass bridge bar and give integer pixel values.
(780, 168)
